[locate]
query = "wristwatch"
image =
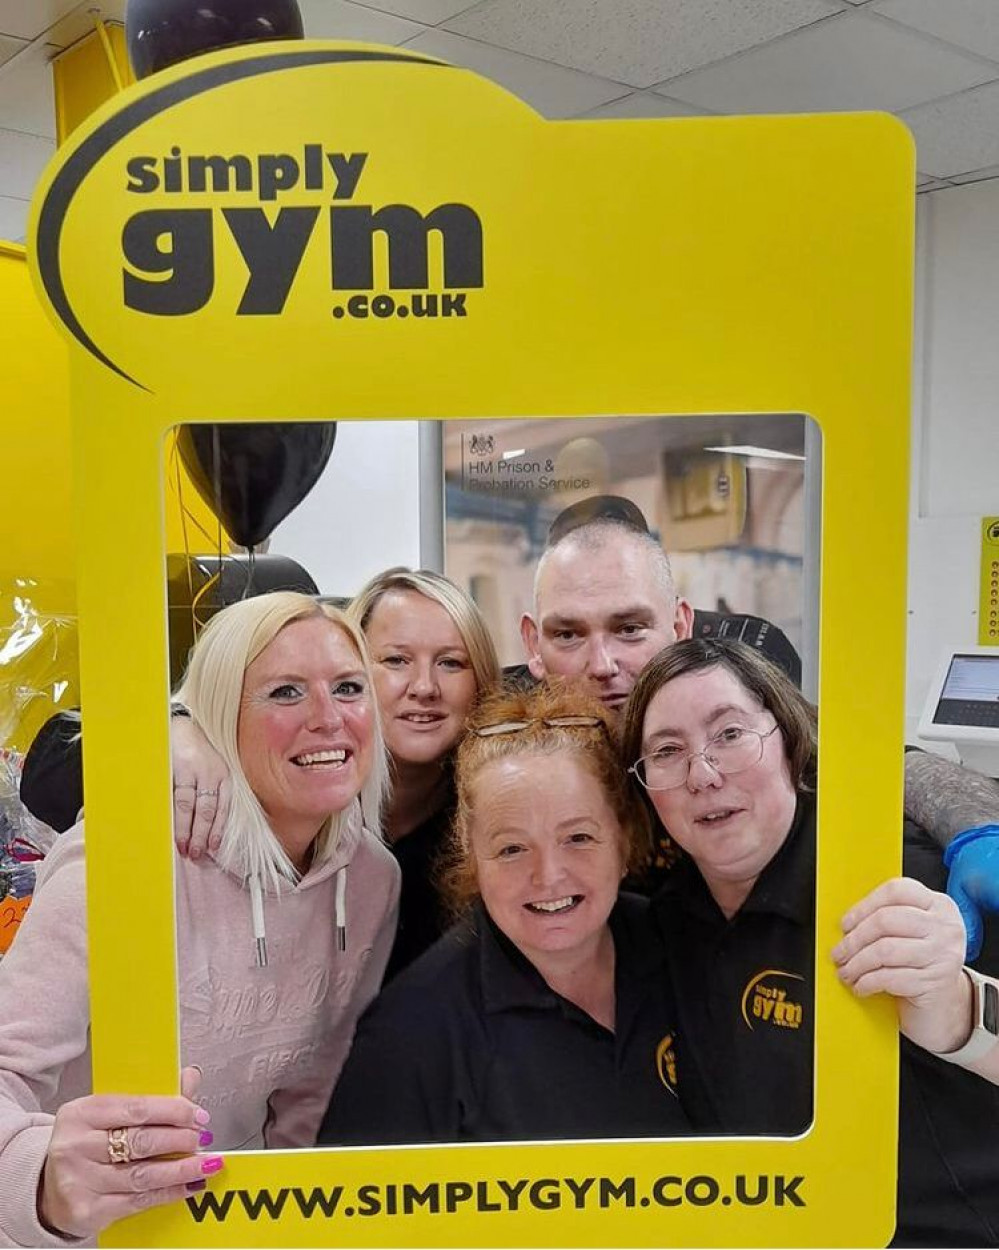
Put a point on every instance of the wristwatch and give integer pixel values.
(984, 1021)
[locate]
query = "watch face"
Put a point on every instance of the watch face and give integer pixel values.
(990, 1008)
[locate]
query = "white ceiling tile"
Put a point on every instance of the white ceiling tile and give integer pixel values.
(957, 135)
(27, 19)
(22, 159)
(13, 219)
(10, 48)
(977, 175)
(553, 91)
(849, 62)
(428, 12)
(971, 24)
(339, 19)
(81, 22)
(638, 42)
(26, 95)
(644, 104)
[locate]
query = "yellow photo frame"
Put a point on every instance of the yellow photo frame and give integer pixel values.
(211, 247)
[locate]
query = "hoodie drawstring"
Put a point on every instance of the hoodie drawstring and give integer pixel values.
(257, 910)
(340, 909)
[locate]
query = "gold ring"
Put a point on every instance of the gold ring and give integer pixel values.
(119, 1151)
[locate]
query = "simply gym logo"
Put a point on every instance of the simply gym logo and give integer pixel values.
(171, 253)
(210, 214)
(770, 998)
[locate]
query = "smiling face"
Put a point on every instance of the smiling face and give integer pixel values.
(306, 726)
(548, 854)
(603, 612)
(731, 826)
(423, 676)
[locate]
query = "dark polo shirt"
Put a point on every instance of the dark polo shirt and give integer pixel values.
(745, 1074)
(948, 1146)
(423, 915)
(744, 990)
(470, 1044)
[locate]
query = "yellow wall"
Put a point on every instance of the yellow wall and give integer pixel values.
(38, 648)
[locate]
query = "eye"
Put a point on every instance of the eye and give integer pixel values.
(730, 735)
(632, 629)
(286, 692)
(453, 664)
(509, 850)
(564, 635)
(580, 838)
(350, 688)
(393, 661)
(668, 751)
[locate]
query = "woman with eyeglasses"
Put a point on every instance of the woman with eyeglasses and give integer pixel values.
(546, 1012)
(724, 751)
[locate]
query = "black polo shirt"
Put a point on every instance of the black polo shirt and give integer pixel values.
(470, 1044)
(948, 1146)
(745, 989)
(423, 914)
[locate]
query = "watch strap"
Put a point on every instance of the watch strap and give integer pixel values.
(985, 1021)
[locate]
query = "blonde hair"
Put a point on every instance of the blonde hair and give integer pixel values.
(595, 747)
(212, 689)
(467, 618)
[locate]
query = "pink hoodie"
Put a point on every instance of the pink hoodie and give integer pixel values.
(270, 1041)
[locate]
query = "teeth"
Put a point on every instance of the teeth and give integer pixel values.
(419, 719)
(321, 757)
(712, 816)
(558, 904)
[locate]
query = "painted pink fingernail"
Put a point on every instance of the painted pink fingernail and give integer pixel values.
(201, 1116)
(192, 1187)
(205, 1138)
(214, 1164)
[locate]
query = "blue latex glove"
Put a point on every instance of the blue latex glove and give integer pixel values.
(973, 860)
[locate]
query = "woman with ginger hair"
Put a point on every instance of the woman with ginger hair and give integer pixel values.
(546, 1012)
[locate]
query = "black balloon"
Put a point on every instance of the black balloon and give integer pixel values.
(252, 476)
(162, 32)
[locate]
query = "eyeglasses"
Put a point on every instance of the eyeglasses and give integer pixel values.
(731, 751)
(552, 722)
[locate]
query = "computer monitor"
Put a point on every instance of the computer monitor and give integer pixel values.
(962, 706)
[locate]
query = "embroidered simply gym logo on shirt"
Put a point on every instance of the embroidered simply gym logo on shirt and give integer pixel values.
(765, 1000)
(666, 1062)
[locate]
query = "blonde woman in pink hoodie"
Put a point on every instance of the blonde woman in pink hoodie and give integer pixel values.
(283, 935)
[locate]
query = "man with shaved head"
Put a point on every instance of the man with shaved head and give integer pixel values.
(604, 605)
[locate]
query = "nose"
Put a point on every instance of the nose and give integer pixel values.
(546, 868)
(600, 661)
(324, 710)
(700, 774)
(423, 680)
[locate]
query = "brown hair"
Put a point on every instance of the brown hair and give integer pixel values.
(764, 680)
(595, 747)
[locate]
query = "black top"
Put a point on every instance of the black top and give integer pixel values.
(52, 777)
(745, 989)
(747, 1074)
(423, 916)
(948, 1149)
(472, 1045)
